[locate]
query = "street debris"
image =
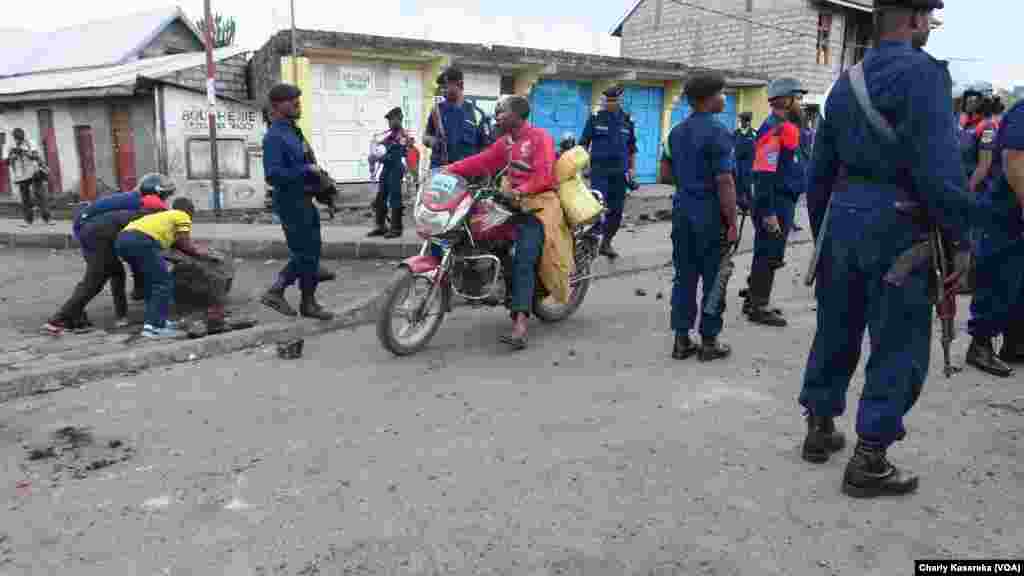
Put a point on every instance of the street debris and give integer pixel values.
(77, 453)
(641, 292)
(158, 503)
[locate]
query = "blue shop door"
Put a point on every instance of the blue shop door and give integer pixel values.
(681, 111)
(560, 106)
(644, 105)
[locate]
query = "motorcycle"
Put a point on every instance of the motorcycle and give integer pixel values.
(469, 233)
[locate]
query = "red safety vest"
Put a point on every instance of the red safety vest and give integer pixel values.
(768, 146)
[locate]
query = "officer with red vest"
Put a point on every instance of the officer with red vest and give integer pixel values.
(779, 179)
(977, 139)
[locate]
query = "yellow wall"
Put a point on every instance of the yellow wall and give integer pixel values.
(755, 101)
(673, 92)
(304, 83)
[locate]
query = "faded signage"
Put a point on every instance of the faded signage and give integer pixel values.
(355, 81)
(196, 119)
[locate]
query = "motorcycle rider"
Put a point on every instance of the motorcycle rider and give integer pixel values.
(533, 146)
(389, 195)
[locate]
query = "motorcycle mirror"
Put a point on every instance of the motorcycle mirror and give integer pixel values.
(521, 166)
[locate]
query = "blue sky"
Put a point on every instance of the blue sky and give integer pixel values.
(984, 30)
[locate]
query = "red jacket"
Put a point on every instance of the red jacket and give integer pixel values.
(531, 145)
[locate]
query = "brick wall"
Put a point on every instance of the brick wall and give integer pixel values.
(231, 77)
(264, 70)
(699, 38)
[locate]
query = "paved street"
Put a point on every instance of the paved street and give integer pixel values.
(590, 453)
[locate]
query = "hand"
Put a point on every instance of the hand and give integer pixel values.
(771, 224)
(732, 234)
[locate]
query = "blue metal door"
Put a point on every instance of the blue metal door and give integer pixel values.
(681, 111)
(644, 105)
(560, 106)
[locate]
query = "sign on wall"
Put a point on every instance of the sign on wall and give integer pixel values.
(354, 81)
(196, 119)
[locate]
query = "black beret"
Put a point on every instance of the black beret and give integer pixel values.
(704, 85)
(614, 91)
(396, 111)
(283, 92)
(918, 4)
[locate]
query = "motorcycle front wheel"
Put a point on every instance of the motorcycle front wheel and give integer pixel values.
(405, 301)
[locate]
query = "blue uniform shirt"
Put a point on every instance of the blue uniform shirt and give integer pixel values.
(120, 201)
(699, 149)
(911, 90)
(999, 194)
(611, 138)
(284, 165)
(465, 127)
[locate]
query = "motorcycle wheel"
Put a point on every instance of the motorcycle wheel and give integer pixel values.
(405, 294)
(556, 312)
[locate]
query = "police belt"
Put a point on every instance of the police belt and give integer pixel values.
(901, 198)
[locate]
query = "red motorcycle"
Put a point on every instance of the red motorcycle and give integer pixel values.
(469, 233)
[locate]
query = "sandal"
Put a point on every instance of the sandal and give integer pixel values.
(516, 342)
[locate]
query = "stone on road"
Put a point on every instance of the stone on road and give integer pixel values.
(591, 452)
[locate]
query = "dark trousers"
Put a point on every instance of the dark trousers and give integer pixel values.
(389, 190)
(611, 183)
(34, 193)
(524, 263)
(143, 253)
(1000, 276)
(863, 238)
(769, 249)
(101, 264)
(301, 226)
(696, 256)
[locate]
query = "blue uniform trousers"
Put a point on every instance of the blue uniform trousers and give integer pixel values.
(611, 183)
(524, 263)
(769, 248)
(390, 192)
(696, 255)
(301, 226)
(142, 252)
(997, 295)
(863, 238)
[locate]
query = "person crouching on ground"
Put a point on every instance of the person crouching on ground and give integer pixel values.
(140, 244)
(97, 238)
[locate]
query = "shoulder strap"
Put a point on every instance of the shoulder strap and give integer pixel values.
(860, 92)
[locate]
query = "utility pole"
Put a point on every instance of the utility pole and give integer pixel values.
(211, 98)
(295, 50)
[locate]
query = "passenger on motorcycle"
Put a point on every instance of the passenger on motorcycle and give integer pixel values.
(533, 146)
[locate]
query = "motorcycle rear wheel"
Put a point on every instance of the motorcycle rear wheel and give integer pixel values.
(397, 302)
(550, 313)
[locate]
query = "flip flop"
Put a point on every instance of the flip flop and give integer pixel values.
(516, 342)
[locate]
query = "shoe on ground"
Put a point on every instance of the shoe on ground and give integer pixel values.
(683, 347)
(766, 317)
(822, 439)
(54, 328)
(713, 350)
(276, 302)
(166, 333)
(870, 475)
(981, 355)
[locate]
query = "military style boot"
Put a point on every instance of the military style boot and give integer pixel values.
(325, 275)
(758, 296)
(822, 439)
(607, 250)
(396, 224)
(712, 349)
(274, 299)
(380, 218)
(310, 308)
(869, 474)
(1012, 351)
(683, 347)
(983, 357)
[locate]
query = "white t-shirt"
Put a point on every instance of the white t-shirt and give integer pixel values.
(21, 160)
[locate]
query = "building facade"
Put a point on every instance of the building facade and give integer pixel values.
(812, 40)
(349, 81)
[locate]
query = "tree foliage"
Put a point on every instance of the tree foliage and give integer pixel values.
(224, 29)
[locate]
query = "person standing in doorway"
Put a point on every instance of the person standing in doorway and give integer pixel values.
(389, 193)
(29, 173)
(611, 138)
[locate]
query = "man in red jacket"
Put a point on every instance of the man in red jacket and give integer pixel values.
(533, 146)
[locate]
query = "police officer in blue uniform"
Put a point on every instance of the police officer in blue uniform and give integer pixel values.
(699, 160)
(389, 192)
(745, 137)
(1007, 186)
(456, 129)
(286, 168)
(779, 180)
(611, 138)
(872, 183)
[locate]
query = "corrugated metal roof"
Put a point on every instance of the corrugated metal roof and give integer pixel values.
(112, 41)
(107, 77)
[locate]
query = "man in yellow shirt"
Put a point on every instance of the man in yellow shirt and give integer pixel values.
(140, 244)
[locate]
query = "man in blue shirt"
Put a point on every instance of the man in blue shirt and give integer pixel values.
(699, 160)
(611, 138)
(456, 129)
(873, 181)
(295, 181)
(745, 137)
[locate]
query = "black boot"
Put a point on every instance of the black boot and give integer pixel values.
(869, 474)
(762, 277)
(822, 439)
(396, 224)
(607, 250)
(380, 218)
(983, 357)
(1012, 351)
(712, 349)
(683, 347)
(325, 275)
(274, 299)
(310, 308)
